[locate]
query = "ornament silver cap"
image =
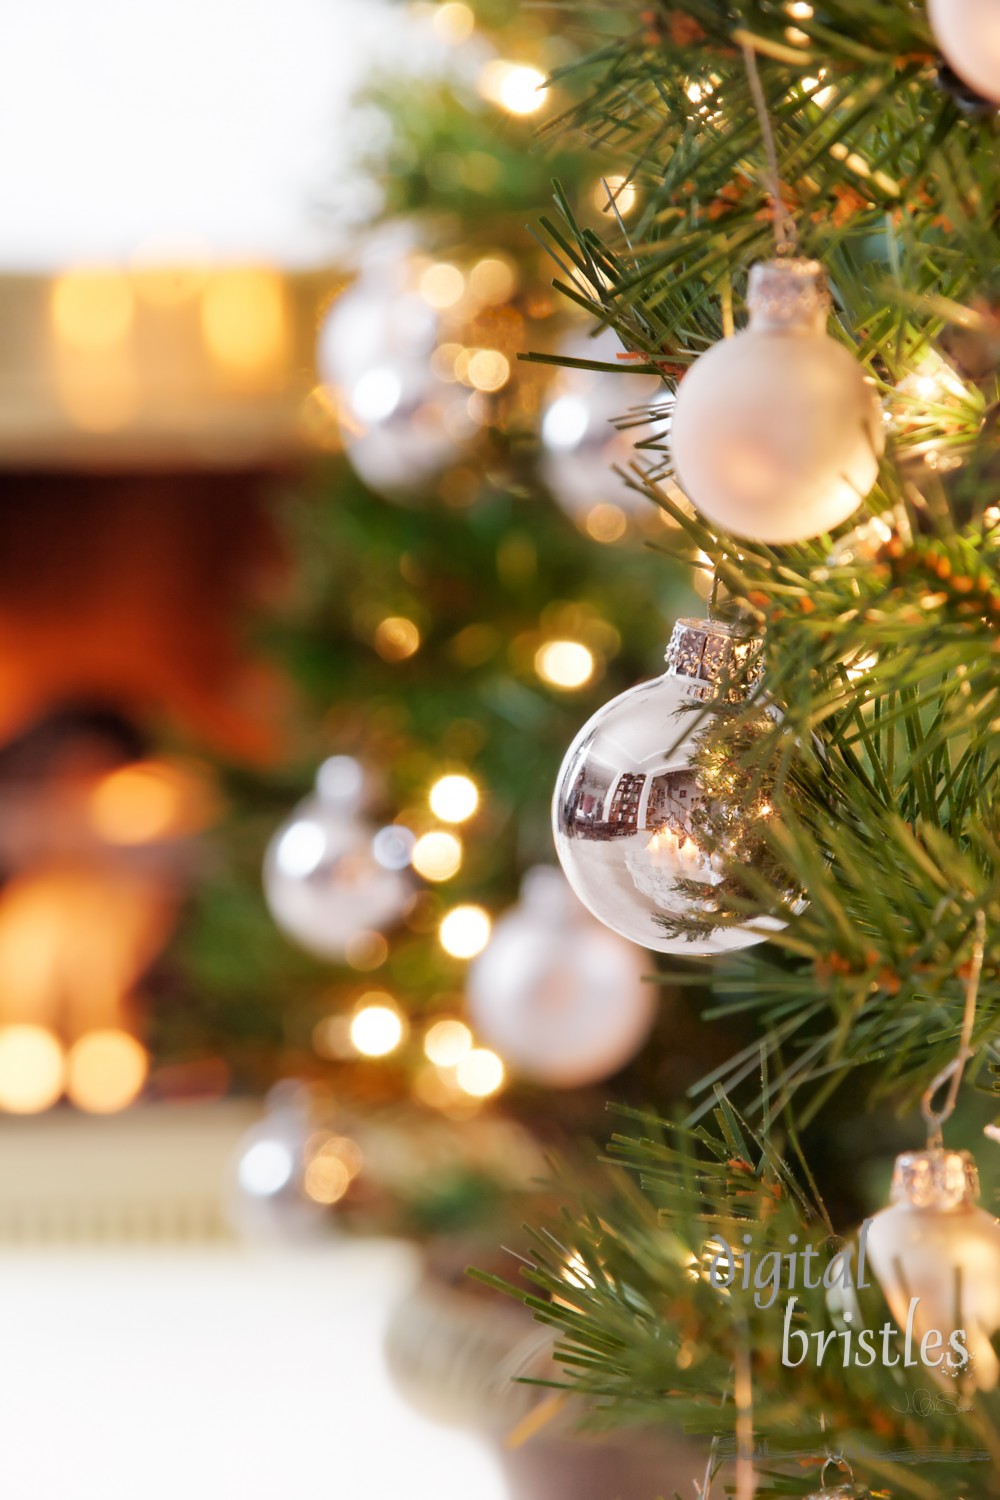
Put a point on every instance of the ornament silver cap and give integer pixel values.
(712, 655)
(788, 294)
(935, 1179)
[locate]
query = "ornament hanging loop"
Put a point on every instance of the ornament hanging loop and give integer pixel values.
(951, 1073)
(785, 231)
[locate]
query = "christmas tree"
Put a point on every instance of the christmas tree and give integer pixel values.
(810, 792)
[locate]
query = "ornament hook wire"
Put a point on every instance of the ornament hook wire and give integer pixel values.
(785, 231)
(952, 1072)
(835, 1457)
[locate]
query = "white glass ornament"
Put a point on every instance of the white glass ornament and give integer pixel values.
(626, 793)
(776, 433)
(402, 423)
(968, 33)
(937, 1246)
(327, 877)
(582, 446)
(558, 996)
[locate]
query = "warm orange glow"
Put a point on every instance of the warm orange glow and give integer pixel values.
(331, 1169)
(92, 310)
(74, 942)
(396, 638)
(243, 319)
(564, 664)
(139, 803)
(447, 1042)
(31, 1069)
(465, 931)
(480, 1073)
(106, 1071)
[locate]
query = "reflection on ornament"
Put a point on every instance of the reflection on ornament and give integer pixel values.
(326, 875)
(776, 432)
(558, 996)
(627, 796)
(968, 33)
(582, 446)
(937, 1257)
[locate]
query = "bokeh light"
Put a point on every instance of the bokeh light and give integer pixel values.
(437, 856)
(516, 87)
(396, 638)
(442, 285)
(139, 803)
(564, 664)
(377, 1026)
(243, 319)
(92, 310)
(32, 1069)
(106, 1071)
(454, 22)
(333, 1164)
(447, 1042)
(480, 1073)
(623, 196)
(465, 931)
(453, 799)
(488, 370)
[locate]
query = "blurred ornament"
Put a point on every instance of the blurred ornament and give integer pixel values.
(582, 446)
(415, 355)
(937, 1257)
(967, 99)
(968, 33)
(329, 877)
(402, 422)
(627, 796)
(558, 996)
(776, 432)
(266, 1197)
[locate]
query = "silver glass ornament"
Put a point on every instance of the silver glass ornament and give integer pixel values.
(584, 441)
(402, 422)
(626, 796)
(328, 876)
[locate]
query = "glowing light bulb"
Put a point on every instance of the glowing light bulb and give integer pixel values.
(437, 856)
(447, 1042)
(442, 285)
(396, 638)
(106, 1071)
(377, 1028)
(488, 370)
(453, 799)
(516, 87)
(623, 196)
(564, 664)
(32, 1069)
(480, 1073)
(465, 931)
